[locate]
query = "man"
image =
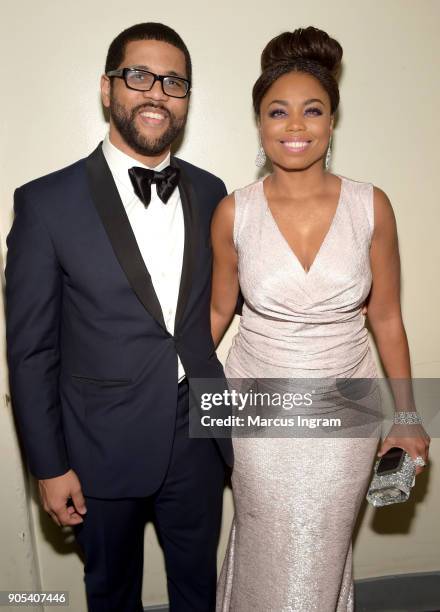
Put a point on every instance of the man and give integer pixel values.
(108, 290)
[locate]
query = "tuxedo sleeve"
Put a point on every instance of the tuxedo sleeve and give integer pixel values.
(223, 192)
(33, 313)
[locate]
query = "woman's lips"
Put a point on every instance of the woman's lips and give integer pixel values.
(295, 146)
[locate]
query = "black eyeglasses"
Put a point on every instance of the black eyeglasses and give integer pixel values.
(143, 80)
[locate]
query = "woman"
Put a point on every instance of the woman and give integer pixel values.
(307, 248)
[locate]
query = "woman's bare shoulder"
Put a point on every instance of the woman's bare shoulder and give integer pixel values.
(383, 211)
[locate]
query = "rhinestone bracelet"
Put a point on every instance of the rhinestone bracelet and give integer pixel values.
(407, 418)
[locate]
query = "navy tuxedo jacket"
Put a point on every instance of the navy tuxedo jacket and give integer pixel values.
(93, 369)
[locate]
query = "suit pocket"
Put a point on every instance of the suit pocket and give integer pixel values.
(103, 382)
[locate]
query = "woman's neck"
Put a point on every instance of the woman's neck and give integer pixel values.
(298, 183)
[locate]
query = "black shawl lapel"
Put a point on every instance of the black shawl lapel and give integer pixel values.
(114, 218)
(189, 206)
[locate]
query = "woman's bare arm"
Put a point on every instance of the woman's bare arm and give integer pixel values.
(385, 317)
(225, 287)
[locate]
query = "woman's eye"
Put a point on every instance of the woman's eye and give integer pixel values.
(315, 112)
(276, 112)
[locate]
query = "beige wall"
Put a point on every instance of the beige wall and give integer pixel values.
(387, 133)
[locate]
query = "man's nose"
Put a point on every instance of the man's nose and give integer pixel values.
(156, 92)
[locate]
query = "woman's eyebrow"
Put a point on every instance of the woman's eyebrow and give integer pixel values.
(308, 101)
(282, 102)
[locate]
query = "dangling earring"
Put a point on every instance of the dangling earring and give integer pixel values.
(260, 160)
(328, 154)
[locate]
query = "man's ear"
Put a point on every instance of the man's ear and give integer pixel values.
(105, 90)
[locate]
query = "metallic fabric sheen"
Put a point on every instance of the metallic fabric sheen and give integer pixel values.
(296, 500)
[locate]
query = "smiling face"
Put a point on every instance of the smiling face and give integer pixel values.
(144, 124)
(295, 121)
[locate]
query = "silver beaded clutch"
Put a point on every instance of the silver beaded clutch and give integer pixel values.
(386, 489)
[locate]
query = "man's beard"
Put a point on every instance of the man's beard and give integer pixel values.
(124, 121)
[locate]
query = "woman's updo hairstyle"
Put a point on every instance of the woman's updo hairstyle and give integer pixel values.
(304, 50)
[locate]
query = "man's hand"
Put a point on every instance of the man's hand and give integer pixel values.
(55, 492)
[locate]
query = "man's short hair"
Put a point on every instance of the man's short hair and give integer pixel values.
(145, 31)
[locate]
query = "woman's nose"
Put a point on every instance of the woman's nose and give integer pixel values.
(296, 122)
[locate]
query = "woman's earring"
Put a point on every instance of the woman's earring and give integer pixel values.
(260, 160)
(328, 154)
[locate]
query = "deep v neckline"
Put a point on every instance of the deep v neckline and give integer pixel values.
(326, 236)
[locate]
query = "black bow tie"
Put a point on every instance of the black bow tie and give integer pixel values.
(166, 181)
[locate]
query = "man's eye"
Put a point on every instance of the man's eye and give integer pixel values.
(174, 83)
(137, 76)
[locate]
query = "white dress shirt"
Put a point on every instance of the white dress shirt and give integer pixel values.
(159, 231)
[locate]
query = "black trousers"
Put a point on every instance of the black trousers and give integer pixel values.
(187, 514)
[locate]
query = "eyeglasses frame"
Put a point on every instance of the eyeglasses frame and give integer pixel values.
(121, 73)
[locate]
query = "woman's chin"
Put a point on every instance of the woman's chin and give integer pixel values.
(288, 164)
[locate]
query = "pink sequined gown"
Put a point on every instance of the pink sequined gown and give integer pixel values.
(296, 499)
